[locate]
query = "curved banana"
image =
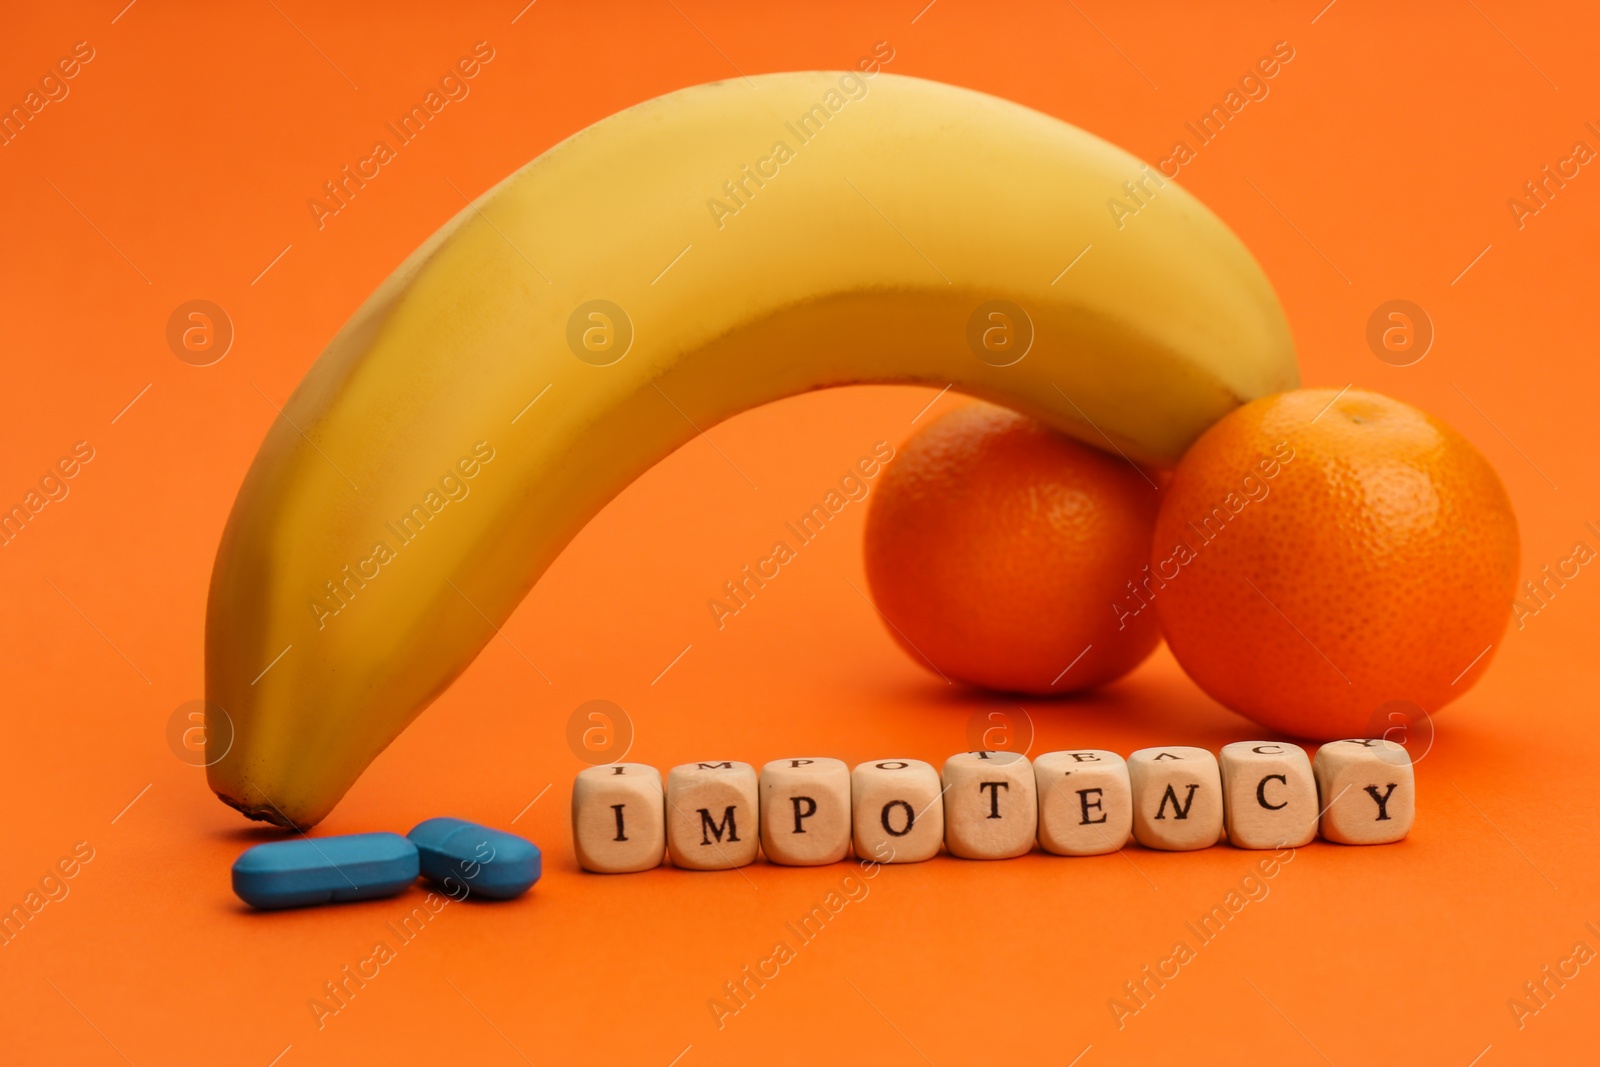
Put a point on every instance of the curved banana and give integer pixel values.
(677, 263)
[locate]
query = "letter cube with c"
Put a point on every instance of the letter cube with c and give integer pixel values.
(1269, 796)
(1085, 802)
(1177, 798)
(990, 806)
(805, 811)
(712, 815)
(897, 811)
(617, 819)
(1368, 791)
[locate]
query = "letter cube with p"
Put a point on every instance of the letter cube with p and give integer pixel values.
(805, 811)
(1177, 798)
(1368, 791)
(712, 815)
(1269, 795)
(897, 811)
(990, 810)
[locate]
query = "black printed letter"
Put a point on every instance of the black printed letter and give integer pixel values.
(994, 795)
(1181, 809)
(1383, 801)
(707, 827)
(811, 810)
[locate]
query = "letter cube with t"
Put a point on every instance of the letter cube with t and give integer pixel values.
(991, 811)
(1177, 798)
(1368, 791)
(618, 823)
(1085, 802)
(712, 815)
(1268, 794)
(805, 811)
(896, 809)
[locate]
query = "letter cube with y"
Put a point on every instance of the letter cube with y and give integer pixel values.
(1085, 802)
(1177, 798)
(805, 811)
(1368, 791)
(618, 822)
(1268, 794)
(896, 810)
(712, 815)
(991, 811)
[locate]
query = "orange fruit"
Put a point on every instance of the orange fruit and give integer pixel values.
(995, 548)
(1319, 555)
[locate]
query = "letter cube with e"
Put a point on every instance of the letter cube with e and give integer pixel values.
(1177, 798)
(1269, 796)
(805, 811)
(618, 822)
(991, 811)
(1085, 802)
(1368, 791)
(713, 819)
(896, 809)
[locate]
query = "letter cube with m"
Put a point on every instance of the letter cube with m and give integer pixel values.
(712, 815)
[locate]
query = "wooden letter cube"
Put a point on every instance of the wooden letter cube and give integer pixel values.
(1177, 798)
(1085, 802)
(618, 818)
(1368, 790)
(896, 810)
(1268, 794)
(991, 810)
(805, 811)
(712, 815)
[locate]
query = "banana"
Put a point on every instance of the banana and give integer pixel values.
(662, 270)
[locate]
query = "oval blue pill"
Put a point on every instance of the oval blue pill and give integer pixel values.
(320, 870)
(493, 863)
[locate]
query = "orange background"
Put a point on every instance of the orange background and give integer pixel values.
(179, 167)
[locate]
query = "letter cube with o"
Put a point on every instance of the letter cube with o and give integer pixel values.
(1368, 791)
(1177, 798)
(618, 823)
(805, 811)
(1269, 796)
(1085, 802)
(991, 811)
(712, 815)
(896, 809)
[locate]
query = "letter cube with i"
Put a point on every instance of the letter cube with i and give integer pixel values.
(1085, 802)
(1368, 791)
(1177, 798)
(805, 811)
(990, 806)
(618, 821)
(896, 810)
(1269, 796)
(713, 820)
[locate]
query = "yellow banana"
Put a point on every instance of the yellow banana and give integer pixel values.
(671, 266)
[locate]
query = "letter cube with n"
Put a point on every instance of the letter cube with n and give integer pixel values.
(618, 823)
(805, 811)
(897, 812)
(1268, 794)
(990, 806)
(1085, 802)
(1177, 798)
(712, 815)
(1368, 791)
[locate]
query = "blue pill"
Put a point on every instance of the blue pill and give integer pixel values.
(321, 870)
(488, 862)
